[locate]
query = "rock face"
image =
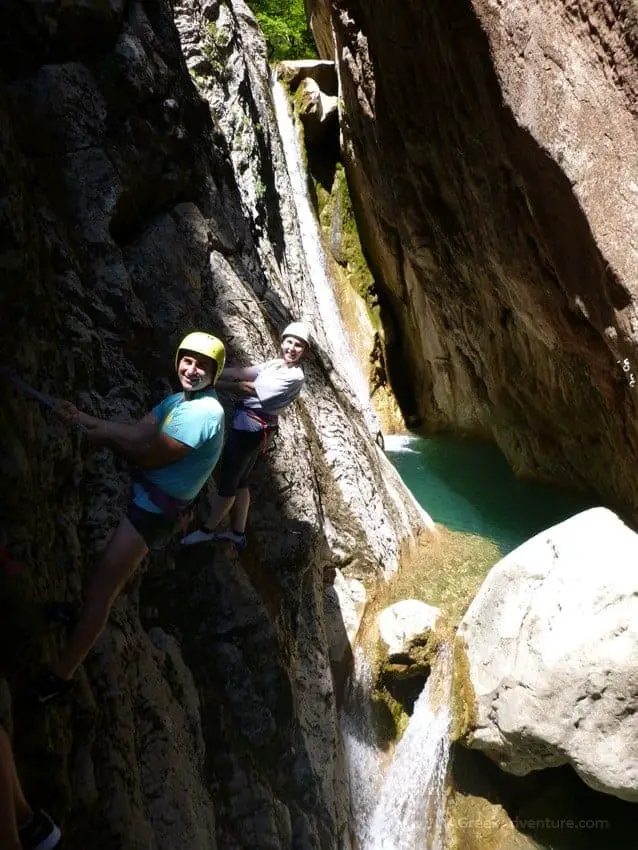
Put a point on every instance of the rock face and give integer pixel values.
(344, 604)
(407, 641)
(552, 644)
(131, 211)
(491, 149)
(400, 623)
(317, 110)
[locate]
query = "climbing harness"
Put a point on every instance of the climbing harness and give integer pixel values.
(43, 398)
(170, 506)
(266, 429)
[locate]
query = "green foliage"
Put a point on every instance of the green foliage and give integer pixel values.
(285, 27)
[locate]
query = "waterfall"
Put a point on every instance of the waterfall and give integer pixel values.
(409, 800)
(343, 359)
(363, 757)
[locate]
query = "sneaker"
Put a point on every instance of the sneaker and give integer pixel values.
(238, 539)
(199, 536)
(40, 833)
(50, 687)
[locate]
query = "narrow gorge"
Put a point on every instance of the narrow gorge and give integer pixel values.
(448, 196)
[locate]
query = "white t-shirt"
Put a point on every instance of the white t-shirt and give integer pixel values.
(277, 386)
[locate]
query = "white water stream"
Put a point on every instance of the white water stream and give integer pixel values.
(402, 808)
(343, 359)
(363, 758)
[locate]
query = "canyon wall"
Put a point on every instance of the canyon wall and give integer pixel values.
(133, 210)
(490, 149)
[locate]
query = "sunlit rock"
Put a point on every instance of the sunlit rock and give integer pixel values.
(552, 646)
(294, 72)
(318, 111)
(344, 601)
(400, 623)
(406, 632)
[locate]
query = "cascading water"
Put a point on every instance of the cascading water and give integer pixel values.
(363, 757)
(409, 800)
(410, 813)
(343, 359)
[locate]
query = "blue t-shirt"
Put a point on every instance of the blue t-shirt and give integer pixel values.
(197, 422)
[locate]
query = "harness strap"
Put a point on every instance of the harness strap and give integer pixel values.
(266, 428)
(170, 506)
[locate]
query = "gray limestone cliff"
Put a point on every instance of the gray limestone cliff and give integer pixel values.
(132, 209)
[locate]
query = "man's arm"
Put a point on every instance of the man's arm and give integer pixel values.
(144, 445)
(161, 451)
(139, 442)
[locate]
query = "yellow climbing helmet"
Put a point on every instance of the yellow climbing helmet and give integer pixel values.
(206, 344)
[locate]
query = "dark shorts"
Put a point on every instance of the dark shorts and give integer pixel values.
(238, 459)
(156, 529)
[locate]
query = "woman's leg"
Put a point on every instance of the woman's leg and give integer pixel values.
(118, 563)
(220, 505)
(239, 515)
(13, 807)
(238, 458)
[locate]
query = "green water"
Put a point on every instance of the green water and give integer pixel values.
(467, 486)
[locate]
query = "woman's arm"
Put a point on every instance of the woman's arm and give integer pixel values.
(239, 373)
(241, 388)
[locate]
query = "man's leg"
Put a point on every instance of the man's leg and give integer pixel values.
(13, 807)
(239, 514)
(118, 563)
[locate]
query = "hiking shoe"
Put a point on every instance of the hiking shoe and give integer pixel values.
(238, 539)
(50, 687)
(199, 536)
(40, 833)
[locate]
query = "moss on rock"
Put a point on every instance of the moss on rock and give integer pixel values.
(464, 711)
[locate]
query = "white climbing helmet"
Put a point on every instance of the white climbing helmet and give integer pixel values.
(299, 330)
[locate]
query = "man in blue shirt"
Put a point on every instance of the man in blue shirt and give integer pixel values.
(174, 449)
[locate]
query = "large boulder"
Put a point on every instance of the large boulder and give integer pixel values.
(318, 111)
(407, 638)
(552, 645)
(294, 72)
(400, 623)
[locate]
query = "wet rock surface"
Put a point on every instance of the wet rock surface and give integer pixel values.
(131, 211)
(490, 150)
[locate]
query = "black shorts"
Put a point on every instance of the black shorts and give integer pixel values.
(155, 529)
(238, 459)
